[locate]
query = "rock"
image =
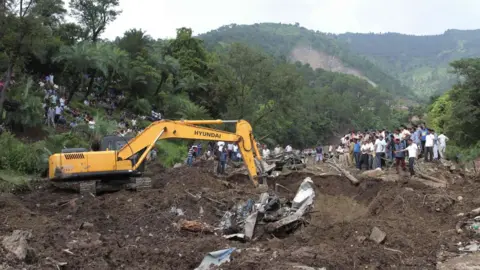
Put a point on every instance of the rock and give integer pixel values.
(459, 198)
(17, 243)
(372, 173)
(377, 235)
(463, 262)
(86, 225)
(409, 189)
(304, 252)
(361, 238)
(177, 165)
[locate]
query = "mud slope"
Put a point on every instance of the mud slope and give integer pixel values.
(127, 230)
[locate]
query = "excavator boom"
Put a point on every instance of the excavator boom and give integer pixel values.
(129, 158)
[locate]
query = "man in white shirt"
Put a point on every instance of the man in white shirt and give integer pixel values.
(277, 150)
(288, 149)
(442, 145)
(220, 146)
(412, 149)
(265, 152)
(429, 139)
(380, 146)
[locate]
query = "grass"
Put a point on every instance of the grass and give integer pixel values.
(10, 180)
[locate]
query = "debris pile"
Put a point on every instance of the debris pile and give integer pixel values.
(287, 160)
(277, 215)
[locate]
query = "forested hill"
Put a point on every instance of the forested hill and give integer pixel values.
(297, 43)
(420, 62)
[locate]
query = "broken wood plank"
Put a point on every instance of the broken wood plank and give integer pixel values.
(428, 177)
(347, 174)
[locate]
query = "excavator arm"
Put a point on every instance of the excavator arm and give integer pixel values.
(165, 129)
(127, 160)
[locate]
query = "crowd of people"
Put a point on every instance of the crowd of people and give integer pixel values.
(372, 149)
(58, 113)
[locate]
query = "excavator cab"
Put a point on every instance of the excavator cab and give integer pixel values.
(113, 142)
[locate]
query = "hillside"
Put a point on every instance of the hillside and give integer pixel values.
(297, 43)
(420, 62)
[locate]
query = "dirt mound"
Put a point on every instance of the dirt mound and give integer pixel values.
(138, 230)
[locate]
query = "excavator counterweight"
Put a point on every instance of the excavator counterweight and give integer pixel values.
(121, 160)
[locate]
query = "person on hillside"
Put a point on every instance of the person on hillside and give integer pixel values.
(58, 112)
(51, 116)
(357, 152)
(399, 156)
(429, 141)
(319, 154)
(442, 145)
(412, 150)
(380, 148)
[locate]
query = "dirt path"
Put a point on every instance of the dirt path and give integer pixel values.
(127, 230)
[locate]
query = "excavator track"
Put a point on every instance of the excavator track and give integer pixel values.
(88, 187)
(142, 183)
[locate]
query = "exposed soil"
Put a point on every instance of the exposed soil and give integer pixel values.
(136, 230)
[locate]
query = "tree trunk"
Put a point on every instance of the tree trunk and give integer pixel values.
(107, 83)
(162, 81)
(3, 93)
(90, 84)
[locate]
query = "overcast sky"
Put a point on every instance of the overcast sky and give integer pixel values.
(160, 18)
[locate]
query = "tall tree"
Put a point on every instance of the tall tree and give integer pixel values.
(95, 15)
(24, 30)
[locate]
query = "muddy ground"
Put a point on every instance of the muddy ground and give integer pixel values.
(137, 230)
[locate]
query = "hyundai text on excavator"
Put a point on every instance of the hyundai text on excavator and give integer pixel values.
(120, 161)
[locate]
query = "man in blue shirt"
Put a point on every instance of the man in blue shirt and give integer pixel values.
(423, 137)
(222, 161)
(399, 156)
(356, 152)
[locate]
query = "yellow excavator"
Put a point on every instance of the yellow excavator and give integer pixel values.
(121, 161)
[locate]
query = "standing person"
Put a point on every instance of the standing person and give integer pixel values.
(190, 156)
(365, 155)
(58, 112)
(319, 154)
(429, 139)
(357, 148)
(51, 116)
(371, 152)
(442, 145)
(412, 149)
(423, 137)
(265, 152)
(288, 149)
(277, 150)
(399, 156)
(230, 150)
(330, 152)
(435, 145)
(223, 161)
(380, 147)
